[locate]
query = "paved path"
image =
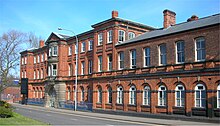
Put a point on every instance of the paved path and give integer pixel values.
(69, 117)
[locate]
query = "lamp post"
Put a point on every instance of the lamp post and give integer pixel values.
(76, 65)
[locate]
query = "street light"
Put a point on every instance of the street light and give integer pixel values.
(76, 64)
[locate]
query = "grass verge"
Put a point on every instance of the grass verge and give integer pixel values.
(18, 119)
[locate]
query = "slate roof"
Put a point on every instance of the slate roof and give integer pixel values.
(202, 22)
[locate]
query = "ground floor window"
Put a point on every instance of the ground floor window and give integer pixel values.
(218, 96)
(120, 95)
(162, 96)
(180, 96)
(146, 95)
(200, 96)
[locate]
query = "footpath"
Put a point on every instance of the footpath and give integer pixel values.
(157, 120)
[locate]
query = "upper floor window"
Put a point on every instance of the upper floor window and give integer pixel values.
(200, 49)
(200, 96)
(162, 96)
(34, 74)
(82, 68)
(45, 56)
(218, 96)
(110, 62)
(50, 51)
(34, 59)
(55, 51)
(100, 38)
(42, 57)
(90, 66)
(70, 50)
(70, 70)
(25, 60)
(42, 73)
(100, 64)
(132, 95)
(90, 45)
(162, 54)
(49, 70)
(83, 46)
(120, 95)
(38, 74)
(109, 36)
(146, 57)
(68, 93)
(131, 35)
(146, 95)
(180, 58)
(38, 58)
(22, 61)
(121, 60)
(82, 94)
(133, 58)
(121, 35)
(180, 96)
(25, 74)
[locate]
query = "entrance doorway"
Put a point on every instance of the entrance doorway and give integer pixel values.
(52, 97)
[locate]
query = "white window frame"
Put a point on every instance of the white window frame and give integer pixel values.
(22, 74)
(50, 51)
(109, 95)
(83, 46)
(54, 71)
(133, 59)
(45, 58)
(180, 101)
(55, 51)
(162, 55)
(22, 61)
(218, 96)
(110, 62)
(68, 93)
(70, 50)
(163, 93)
(34, 74)
(200, 51)
(90, 45)
(70, 70)
(120, 95)
(146, 95)
(82, 68)
(42, 57)
(42, 73)
(121, 36)
(121, 60)
(35, 60)
(49, 70)
(90, 67)
(38, 74)
(132, 95)
(100, 38)
(109, 36)
(99, 99)
(146, 57)
(25, 60)
(100, 63)
(131, 35)
(201, 101)
(180, 54)
(38, 58)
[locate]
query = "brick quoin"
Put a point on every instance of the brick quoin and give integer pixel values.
(189, 74)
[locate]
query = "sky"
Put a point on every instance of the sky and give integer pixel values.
(44, 16)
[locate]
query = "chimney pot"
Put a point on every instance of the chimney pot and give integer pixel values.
(193, 18)
(114, 14)
(41, 43)
(169, 18)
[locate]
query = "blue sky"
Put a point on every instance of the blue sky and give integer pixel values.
(44, 16)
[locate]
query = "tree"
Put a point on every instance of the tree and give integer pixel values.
(33, 40)
(10, 46)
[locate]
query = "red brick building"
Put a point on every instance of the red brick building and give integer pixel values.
(124, 65)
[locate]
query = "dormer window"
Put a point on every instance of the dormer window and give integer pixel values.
(121, 36)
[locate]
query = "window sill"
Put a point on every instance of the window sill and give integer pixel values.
(161, 107)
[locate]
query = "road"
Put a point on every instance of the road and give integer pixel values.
(68, 117)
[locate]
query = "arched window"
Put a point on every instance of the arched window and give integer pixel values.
(218, 96)
(99, 95)
(146, 95)
(180, 96)
(109, 95)
(82, 94)
(131, 35)
(200, 95)
(120, 95)
(162, 96)
(89, 94)
(68, 93)
(132, 95)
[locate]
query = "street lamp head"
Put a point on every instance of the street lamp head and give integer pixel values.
(60, 29)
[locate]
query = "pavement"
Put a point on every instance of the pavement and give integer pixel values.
(134, 119)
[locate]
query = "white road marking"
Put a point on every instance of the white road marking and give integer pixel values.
(73, 119)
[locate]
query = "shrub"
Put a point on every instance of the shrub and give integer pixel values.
(5, 104)
(5, 112)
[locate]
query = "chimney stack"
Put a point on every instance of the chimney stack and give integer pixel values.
(169, 18)
(114, 14)
(193, 18)
(41, 43)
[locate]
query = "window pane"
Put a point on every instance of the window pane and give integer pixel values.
(203, 103)
(203, 94)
